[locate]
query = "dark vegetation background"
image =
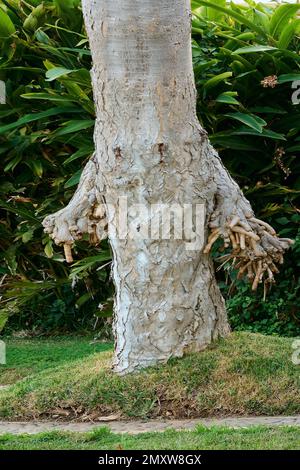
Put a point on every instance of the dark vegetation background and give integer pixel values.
(46, 136)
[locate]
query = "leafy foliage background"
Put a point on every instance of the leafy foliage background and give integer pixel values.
(46, 137)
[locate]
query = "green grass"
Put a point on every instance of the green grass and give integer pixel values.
(30, 356)
(263, 438)
(246, 374)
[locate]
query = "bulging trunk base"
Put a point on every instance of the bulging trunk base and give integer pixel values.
(175, 308)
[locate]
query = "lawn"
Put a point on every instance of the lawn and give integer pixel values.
(29, 356)
(246, 374)
(216, 438)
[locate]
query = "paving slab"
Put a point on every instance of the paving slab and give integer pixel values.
(137, 427)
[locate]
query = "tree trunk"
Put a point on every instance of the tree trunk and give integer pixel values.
(151, 150)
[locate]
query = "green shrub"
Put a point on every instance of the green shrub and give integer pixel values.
(46, 136)
(245, 63)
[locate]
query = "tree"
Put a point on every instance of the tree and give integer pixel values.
(150, 149)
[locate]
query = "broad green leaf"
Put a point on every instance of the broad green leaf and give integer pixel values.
(249, 119)
(82, 152)
(42, 37)
(27, 236)
(196, 30)
(81, 43)
(234, 143)
(266, 133)
(74, 126)
(287, 34)
(262, 19)
(83, 299)
(253, 49)
(240, 39)
(89, 262)
(68, 12)
(57, 72)
(283, 221)
(7, 27)
(48, 97)
(281, 17)
(214, 81)
(289, 77)
(49, 249)
(230, 93)
(227, 99)
(73, 180)
(37, 167)
(238, 68)
(74, 49)
(38, 116)
(67, 4)
(211, 13)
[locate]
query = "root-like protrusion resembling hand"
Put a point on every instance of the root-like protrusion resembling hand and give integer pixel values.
(85, 214)
(256, 248)
(65, 229)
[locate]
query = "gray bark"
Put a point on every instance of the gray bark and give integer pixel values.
(151, 149)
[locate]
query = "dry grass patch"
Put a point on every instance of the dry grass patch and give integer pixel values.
(247, 374)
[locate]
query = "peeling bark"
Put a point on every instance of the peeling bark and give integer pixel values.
(151, 149)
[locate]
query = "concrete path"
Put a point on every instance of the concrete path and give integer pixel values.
(136, 427)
